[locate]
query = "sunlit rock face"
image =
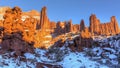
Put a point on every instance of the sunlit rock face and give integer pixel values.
(42, 40)
(44, 21)
(11, 18)
(14, 34)
(1, 23)
(76, 28)
(14, 20)
(43, 34)
(94, 24)
(3, 9)
(36, 27)
(29, 14)
(52, 27)
(115, 24)
(86, 40)
(97, 28)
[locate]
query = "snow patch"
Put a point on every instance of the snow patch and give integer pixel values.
(29, 56)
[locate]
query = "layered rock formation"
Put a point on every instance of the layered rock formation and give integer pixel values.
(60, 28)
(52, 27)
(69, 26)
(29, 14)
(97, 28)
(44, 21)
(18, 35)
(3, 9)
(11, 18)
(41, 32)
(86, 38)
(76, 28)
(94, 24)
(82, 25)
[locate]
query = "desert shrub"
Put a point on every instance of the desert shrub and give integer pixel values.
(95, 43)
(57, 53)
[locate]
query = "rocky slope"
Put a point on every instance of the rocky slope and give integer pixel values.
(103, 54)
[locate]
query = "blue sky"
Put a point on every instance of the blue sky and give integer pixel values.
(64, 10)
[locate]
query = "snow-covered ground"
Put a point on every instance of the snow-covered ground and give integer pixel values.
(106, 51)
(70, 60)
(106, 55)
(78, 60)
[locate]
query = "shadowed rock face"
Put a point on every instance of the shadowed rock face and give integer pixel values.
(60, 28)
(14, 42)
(97, 28)
(69, 26)
(82, 25)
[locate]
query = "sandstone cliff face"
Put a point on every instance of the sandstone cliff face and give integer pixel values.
(52, 27)
(68, 26)
(3, 9)
(10, 18)
(115, 24)
(15, 37)
(119, 30)
(82, 25)
(39, 31)
(94, 24)
(44, 21)
(97, 28)
(60, 28)
(76, 28)
(85, 38)
(85, 33)
(44, 29)
(2, 12)
(1, 23)
(12, 24)
(31, 13)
